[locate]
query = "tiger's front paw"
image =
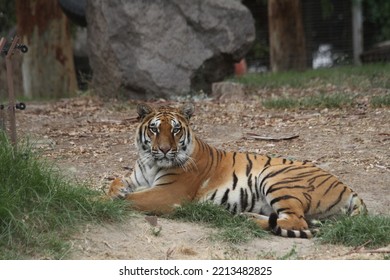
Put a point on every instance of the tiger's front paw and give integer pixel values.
(119, 189)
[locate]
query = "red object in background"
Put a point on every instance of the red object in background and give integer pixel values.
(240, 68)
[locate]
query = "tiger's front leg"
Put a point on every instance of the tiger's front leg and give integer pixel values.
(120, 188)
(157, 199)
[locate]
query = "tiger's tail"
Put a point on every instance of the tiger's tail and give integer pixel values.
(275, 228)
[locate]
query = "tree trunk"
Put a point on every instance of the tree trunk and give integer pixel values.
(47, 67)
(287, 36)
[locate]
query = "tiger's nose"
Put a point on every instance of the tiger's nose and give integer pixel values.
(164, 149)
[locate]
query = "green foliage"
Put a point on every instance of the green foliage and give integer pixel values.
(290, 255)
(360, 79)
(232, 228)
(7, 16)
(381, 101)
(364, 77)
(327, 8)
(378, 12)
(370, 231)
(39, 208)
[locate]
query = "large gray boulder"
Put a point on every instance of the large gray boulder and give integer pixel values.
(162, 48)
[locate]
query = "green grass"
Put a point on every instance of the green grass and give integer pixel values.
(323, 88)
(381, 101)
(336, 100)
(231, 229)
(370, 231)
(363, 77)
(39, 208)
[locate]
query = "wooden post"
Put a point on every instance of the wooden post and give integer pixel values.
(357, 31)
(11, 93)
(286, 35)
(2, 119)
(48, 68)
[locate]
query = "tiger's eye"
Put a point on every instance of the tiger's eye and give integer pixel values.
(176, 130)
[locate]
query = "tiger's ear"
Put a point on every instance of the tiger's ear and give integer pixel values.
(187, 110)
(143, 110)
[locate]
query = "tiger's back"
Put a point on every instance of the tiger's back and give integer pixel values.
(279, 194)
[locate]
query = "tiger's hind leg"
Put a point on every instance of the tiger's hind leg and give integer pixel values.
(260, 220)
(290, 225)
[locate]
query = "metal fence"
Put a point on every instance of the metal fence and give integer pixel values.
(329, 28)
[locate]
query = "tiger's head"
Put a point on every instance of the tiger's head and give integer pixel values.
(164, 137)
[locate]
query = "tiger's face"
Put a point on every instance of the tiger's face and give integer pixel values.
(164, 137)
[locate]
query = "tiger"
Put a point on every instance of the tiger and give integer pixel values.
(174, 166)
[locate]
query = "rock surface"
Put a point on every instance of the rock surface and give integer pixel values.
(150, 49)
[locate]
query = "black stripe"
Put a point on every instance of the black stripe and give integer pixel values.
(235, 180)
(243, 199)
(308, 199)
(135, 176)
(140, 133)
(333, 185)
(164, 184)
(284, 161)
(271, 189)
(234, 158)
(200, 143)
(219, 156)
(273, 220)
(284, 197)
(287, 181)
(164, 175)
(256, 189)
(188, 136)
(211, 155)
(250, 182)
(216, 156)
(301, 175)
(273, 174)
(267, 163)
(143, 170)
(213, 195)
(225, 196)
(303, 234)
(338, 199)
(290, 233)
(234, 210)
(252, 203)
(249, 165)
(311, 180)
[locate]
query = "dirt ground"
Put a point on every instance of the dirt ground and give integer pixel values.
(92, 140)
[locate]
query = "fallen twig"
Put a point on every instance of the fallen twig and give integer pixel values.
(358, 248)
(271, 138)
